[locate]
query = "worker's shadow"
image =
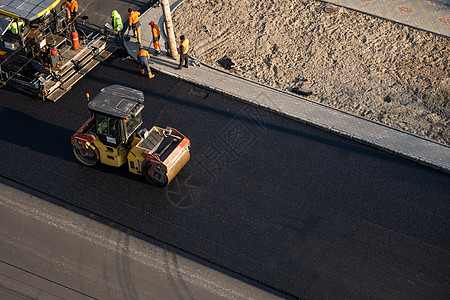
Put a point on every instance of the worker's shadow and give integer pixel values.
(25, 131)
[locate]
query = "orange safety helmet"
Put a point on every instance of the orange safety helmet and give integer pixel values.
(151, 23)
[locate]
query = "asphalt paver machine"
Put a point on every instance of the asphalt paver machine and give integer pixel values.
(44, 51)
(112, 136)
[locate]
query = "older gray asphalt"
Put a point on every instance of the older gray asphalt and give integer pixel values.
(49, 252)
(293, 207)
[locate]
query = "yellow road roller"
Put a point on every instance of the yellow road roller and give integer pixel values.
(112, 136)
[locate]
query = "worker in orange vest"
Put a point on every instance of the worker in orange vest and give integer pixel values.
(183, 51)
(143, 56)
(135, 24)
(156, 36)
(71, 8)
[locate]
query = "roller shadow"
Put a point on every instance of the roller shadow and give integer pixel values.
(23, 130)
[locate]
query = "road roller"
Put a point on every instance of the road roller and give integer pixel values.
(112, 136)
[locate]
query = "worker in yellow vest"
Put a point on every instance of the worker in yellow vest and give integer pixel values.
(16, 25)
(117, 24)
(183, 51)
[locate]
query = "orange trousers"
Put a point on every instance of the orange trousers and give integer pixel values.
(156, 45)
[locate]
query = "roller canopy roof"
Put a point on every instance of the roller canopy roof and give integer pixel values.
(27, 10)
(119, 101)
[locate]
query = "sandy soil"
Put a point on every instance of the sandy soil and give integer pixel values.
(386, 72)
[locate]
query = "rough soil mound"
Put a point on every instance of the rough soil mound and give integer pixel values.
(386, 72)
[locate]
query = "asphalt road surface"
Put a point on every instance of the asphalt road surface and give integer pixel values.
(53, 253)
(293, 207)
(99, 11)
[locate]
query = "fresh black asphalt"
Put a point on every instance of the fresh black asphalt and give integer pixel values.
(293, 207)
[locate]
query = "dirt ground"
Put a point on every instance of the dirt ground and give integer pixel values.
(386, 72)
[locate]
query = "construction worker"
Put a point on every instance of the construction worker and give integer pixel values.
(16, 26)
(135, 24)
(117, 24)
(183, 51)
(66, 7)
(143, 58)
(71, 8)
(155, 32)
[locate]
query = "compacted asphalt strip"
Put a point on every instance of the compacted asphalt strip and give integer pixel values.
(377, 135)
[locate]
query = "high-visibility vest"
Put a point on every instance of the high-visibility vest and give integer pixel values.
(13, 26)
(73, 7)
(155, 30)
(143, 52)
(134, 18)
(117, 20)
(185, 45)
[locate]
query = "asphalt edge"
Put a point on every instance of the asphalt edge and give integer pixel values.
(418, 159)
